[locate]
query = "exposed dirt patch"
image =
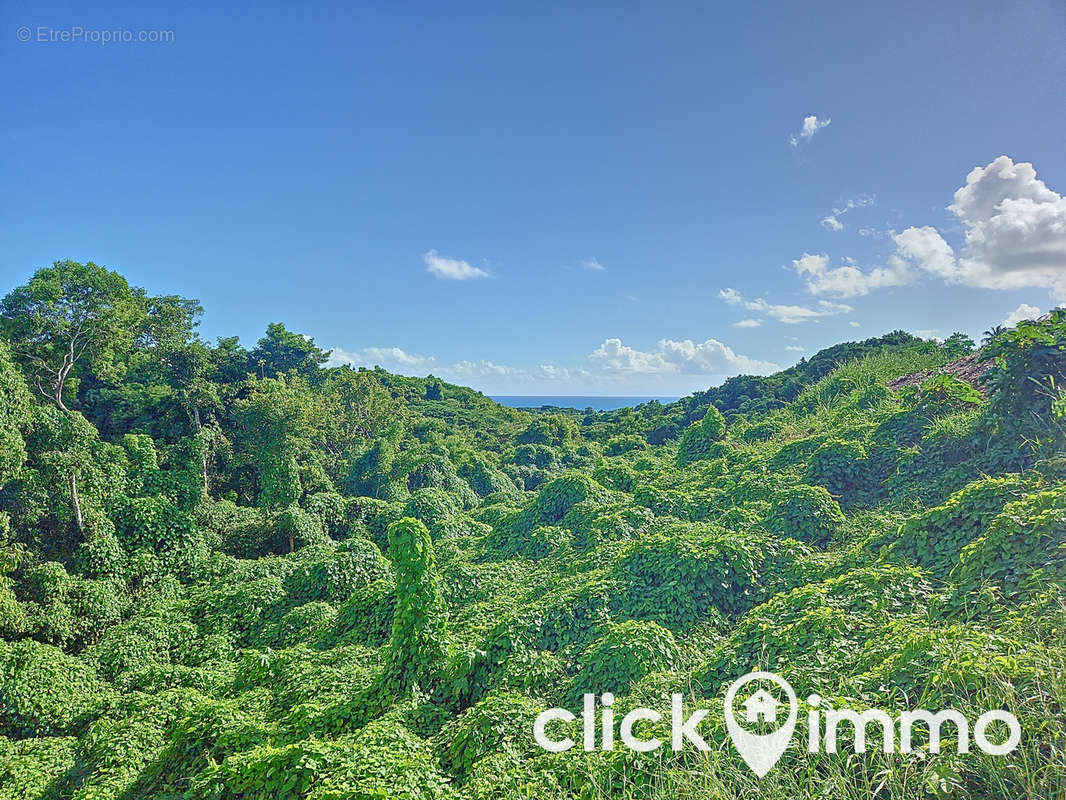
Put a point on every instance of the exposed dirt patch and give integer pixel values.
(967, 368)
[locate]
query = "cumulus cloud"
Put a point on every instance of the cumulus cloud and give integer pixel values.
(788, 314)
(811, 126)
(848, 280)
(927, 333)
(1022, 312)
(1014, 233)
(450, 268)
(711, 357)
(855, 324)
(398, 360)
(593, 264)
(795, 348)
(831, 223)
(748, 323)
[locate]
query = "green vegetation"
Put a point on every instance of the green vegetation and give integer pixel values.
(241, 574)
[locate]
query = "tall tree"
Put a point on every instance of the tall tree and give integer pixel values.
(68, 317)
(282, 350)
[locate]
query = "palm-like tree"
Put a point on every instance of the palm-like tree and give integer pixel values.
(989, 335)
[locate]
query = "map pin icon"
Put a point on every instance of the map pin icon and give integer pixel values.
(761, 751)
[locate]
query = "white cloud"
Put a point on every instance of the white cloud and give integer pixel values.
(1014, 228)
(926, 247)
(848, 280)
(811, 126)
(928, 333)
(1022, 312)
(686, 357)
(398, 360)
(790, 315)
(832, 221)
(855, 324)
(748, 323)
(593, 264)
(795, 348)
(450, 268)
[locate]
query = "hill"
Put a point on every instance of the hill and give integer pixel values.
(233, 573)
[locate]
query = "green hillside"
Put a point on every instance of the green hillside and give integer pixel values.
(233, 573)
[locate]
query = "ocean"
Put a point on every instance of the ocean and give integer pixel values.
(579, 402)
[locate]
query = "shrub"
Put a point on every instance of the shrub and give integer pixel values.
(626, 443)
(156, 524)
(437, 472)
(486, 479)
(698, 439)
(807, 513)
(559, 495)
(551, 430)
(330, 573)
(537, 455)
(151, 639)
(101, 555)
(366, 616)
(839, 466)
(437, 509)
(934, 538)
(296, 529)
(684, 575)
(44, 692)
(330, 509)
(762, 432)
(625, 654)
(306, 622)
(618, 476)
(1028, 535)
(814, 631)
(498, 722)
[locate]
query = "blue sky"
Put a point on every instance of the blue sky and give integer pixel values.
(590, 198)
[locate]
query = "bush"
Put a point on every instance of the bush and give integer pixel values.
(1027, 539)
(625, 654)
(498, 722)
(626, 443)
(759, 433)
(934, 538)
(437, 509)
(156, 524)
(296, 529)
(486, 479)
(152, 639)
(559, 495)
(366, 617)
(617, 476)
(437, 472)
(685, 575)
(306, 622)
(807, 513)
(330, 509)
(330, 573)
(838, 466)
(44, 692)
(812, 633)
(698, 439)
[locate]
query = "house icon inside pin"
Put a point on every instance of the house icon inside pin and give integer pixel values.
(761, 707)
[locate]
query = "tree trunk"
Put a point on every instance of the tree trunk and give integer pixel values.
(75, 502)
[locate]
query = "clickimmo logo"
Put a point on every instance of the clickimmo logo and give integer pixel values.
(772, 705)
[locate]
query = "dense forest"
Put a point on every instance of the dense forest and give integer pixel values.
(239, 573)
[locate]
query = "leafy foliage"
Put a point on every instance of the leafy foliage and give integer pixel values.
(232, 573)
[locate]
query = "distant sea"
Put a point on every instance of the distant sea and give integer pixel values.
(579, 402)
